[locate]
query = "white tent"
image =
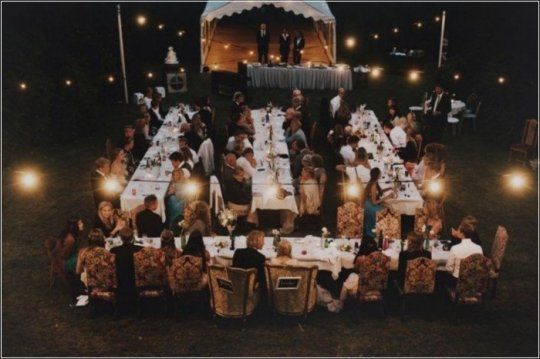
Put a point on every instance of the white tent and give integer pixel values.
(323, 20)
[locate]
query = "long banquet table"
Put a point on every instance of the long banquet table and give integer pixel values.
(408, 198)
(300, 77)
(155, 180)
(306, 250)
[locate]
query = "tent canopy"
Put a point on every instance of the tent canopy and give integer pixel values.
(319, 11)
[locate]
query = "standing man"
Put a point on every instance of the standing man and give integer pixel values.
(436, 110)
(284, 45)
(335, 103)
(298, 46)
(263, 39)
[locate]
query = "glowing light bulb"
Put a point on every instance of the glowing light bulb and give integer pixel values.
(517, 181)
(353, 190)
(28, 180)
(68, 82)
(434, 186)
(395, 30)
(376, 72)
(112, 186)
(22, 86)
(414, 75)
(161, 26)
(350, 42)
(376, 36)
(457, 76)
(192, 188)
(110, 79)
(501, 80)
(150, 75)
(141, 20)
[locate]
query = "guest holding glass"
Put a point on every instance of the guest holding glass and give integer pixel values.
(107, 221)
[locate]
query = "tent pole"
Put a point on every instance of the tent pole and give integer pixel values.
(122, 58)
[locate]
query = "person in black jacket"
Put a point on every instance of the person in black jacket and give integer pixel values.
(125, 270)
(155, 118)
(250, 257)
(414, 250)
(437, 112)
(237, 190)
(263, 39)
(298, 45)
(236, 105)
(284, 45)
(148, 222)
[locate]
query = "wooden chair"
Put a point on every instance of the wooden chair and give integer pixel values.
(233, 291)
(292, 290)
(472, 283)
(101, 280)
(185, 277)
(56, 264)
(389, 221)
(372, 279)
(528, 143)
(497, 253)
(419, 280)
(150, 277)
(350, 220)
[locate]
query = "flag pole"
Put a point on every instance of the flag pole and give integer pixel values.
(122, 58)
(443, 23)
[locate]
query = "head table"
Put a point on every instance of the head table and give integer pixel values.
(307, 251)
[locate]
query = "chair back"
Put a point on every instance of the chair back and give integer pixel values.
(100, 269)
(372, 275)
(149, 264)
(185, 274)
(233, 293)
(420, 276)
(473, 279)
(499, 247)
(389, 222)
(292, 289)
(530, 133)
(350, 220)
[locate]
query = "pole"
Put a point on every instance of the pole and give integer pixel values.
(122, 58)
(443, 22)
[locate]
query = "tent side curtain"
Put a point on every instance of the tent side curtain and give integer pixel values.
(309, 9)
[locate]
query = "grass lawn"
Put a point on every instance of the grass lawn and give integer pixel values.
(38, 322)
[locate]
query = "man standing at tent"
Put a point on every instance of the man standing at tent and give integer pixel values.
(284, 45)
(263, 38)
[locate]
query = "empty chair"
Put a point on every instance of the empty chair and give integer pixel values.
(472, 283)
(372, 278)
(292, 290)
(234, 292)
(471, 116)
(150, 276)
(350, 220)
(497, 253)
(389, 222)
(529, 141)
(101, 280)
(186, 279)
(419, 280)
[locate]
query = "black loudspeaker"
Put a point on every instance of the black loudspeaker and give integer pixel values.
(176, 82)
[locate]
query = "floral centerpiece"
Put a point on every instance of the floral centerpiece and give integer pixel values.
(324, 237)
(227, 219)
(345, 247)
(184, 225)
(277, 237)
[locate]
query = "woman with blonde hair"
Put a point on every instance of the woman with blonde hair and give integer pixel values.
(107, 221)
(284, 254)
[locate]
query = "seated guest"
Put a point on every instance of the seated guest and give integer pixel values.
(200, 220)
(125, 270)
(155, 118)
(129, 132)
(148, 96)
(68, 243)
(98, 180)
(284, 256)
(297, 154)
(176, 197)
(337, 138)
(309, 195)
(177, 161)
(129, 158)
(237, 191)
(195, 247)
(295, 132)
(248, 118)
(205, 110)
(228, 168)
(414, 250)
(118, 167)
(107, 221)
(187, 151)
(197, 132)
(168, 247)
(462, 250)
(140, 142)
(347, 152)
(433, 215)
(290, 113)
(475, 238)
(414, 128)
(360, 171)
(336, 102)
(250, 257)
(240, 136)
(248, 163)
(149, 223)
(387, 128)
(236, 105)
(301, 112)
(320, 172)
(398, 136)
(431, 166)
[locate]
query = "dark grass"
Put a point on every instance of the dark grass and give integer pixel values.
(37, 320)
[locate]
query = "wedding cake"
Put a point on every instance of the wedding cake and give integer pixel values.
(171, 58)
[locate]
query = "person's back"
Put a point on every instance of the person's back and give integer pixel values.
(250, 257)
(462, 250)
(125, 270)
(149, 223)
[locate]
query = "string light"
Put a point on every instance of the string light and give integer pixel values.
(141, 20)
(375, 72)
(245, 62)
(22, 86)
(419, 24)
(226, 46)
(457, 76)
(182, 32)
(437, 18)
(414, 75)
(150, 75)
(161, 26)
(110, 79)
(112, 186)
(251, 53)
(182, 69)
(516, 180)
(376, 36)
(192, 188)
(28, 179)
(353, 190)
(434, 186)
(501, 80)
(215, 66)
(272, 57)
(395, 30)
(350, 42)
(68, 82)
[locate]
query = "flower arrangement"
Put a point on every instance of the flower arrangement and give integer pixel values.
(277, 237)
(324, 237)
(221, 244)
(345, 248)
(227, 219)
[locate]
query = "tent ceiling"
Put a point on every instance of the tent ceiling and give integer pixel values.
(309, 9)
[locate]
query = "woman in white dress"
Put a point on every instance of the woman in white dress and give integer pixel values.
(360, 171)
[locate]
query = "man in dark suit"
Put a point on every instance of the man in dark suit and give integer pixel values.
(125, 270)
(250, 257)
(284, 45)
(263, 39)
(437, 113)
(98, 180)
(149, 223)
(236, 105)
(237, 189)
(298, 47)
(155, 118)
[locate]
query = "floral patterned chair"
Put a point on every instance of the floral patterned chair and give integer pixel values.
(419, 280)
(420, 220)
(350, 220)
(234, 292)
(101, 280)
(372, 278)
(497, 253)
(150, 276)
(389, 221)
(473, 280)
(185, 277)
(299, 301)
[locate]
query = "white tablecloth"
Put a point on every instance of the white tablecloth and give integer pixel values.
(156, 180)
(263, 198)
(408, 199)
(300, 77)
(457, 107)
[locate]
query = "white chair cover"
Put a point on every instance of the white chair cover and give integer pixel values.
(216, 197)
(138, 98)
(206, 156)
(160, 90)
